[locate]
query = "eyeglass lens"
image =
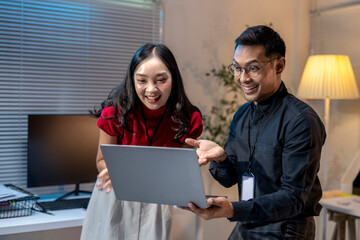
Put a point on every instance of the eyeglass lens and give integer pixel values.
(252, 71)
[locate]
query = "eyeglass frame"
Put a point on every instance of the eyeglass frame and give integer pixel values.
(247, 70)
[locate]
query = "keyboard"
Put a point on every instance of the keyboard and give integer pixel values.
(64, 204)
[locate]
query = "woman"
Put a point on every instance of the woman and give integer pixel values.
(149, 108)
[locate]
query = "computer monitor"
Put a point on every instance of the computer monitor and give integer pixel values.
(62, 150)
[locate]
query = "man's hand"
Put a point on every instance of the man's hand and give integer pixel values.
(104, 181)
(218, 207)
(207, 151)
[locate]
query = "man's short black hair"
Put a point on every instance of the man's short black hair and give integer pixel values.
(265, 36)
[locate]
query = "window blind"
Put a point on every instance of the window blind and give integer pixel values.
(337, 31)
(63, 57)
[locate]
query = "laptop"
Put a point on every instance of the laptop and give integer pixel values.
(161, 175)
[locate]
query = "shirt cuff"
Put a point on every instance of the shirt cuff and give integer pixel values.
(225, 162)
(241, 211)
(214, 165)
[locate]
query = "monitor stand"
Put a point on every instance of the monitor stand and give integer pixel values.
(75, 192)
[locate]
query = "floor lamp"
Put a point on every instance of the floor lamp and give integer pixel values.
(328, 77)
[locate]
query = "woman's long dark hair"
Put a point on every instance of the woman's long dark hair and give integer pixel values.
(125, 99)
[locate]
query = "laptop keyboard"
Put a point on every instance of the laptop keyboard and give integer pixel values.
(64, 204)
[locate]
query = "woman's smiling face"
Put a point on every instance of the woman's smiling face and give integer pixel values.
(153, 82)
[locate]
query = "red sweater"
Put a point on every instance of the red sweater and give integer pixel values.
(164, 135)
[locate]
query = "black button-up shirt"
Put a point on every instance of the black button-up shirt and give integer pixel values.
(287, 137)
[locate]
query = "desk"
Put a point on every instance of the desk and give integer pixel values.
(342, 210)
(42, 221)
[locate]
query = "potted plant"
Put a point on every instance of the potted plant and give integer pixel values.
(216, 126)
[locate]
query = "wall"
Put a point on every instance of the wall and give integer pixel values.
(201, 34)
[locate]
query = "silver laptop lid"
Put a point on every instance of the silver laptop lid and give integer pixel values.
(159, 175)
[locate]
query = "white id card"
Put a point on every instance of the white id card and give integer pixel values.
(248, 186)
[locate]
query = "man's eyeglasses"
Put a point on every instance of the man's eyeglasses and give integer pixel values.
(252, 70)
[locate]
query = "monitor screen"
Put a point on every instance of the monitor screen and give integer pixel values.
(61, 149)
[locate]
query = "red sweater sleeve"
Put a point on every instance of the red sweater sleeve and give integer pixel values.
(196, 127)
(110, 126)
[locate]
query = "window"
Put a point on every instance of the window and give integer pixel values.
(63, 56)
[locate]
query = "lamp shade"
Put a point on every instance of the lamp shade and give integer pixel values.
(328, 76)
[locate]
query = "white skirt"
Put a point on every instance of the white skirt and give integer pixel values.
(111, 219)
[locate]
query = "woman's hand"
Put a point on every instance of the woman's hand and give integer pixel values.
(104, 182)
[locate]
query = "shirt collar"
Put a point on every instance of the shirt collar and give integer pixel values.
(262, 108)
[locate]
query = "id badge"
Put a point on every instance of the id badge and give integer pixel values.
(248, 186)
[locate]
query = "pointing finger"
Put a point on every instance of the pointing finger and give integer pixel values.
(192, 142)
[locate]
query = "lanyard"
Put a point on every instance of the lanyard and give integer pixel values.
(150, 140)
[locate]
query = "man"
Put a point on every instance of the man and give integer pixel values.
(272, 151)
